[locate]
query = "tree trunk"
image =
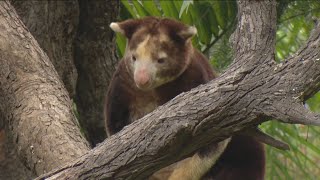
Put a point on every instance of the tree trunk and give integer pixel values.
(95, 60)
(35, 107)
(90, 45)
(253, 89)
(54, 26)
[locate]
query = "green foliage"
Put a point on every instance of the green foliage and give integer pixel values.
(215, 21)
(294, 26)
(301, 162)
(221, 53)
(314, 103)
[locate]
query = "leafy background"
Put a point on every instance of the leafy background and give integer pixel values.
(215, 21)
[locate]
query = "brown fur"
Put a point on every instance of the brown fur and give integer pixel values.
(126, 102)
(185, 68)
(243, 159)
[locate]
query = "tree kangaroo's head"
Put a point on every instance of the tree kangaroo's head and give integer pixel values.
(158, 49)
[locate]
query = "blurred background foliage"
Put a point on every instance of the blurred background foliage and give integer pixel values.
(215, 21)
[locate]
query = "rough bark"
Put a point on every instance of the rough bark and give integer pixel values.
(11, 167)
(95, 60)
(35, 107)
(53, 24)
(253, 89)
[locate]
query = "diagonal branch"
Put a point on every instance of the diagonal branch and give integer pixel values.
(303, 69)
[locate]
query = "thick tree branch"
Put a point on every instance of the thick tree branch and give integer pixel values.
(302, 69)
(242, 97)
(35, 107)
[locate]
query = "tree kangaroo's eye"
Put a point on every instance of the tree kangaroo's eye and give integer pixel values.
(161, 60)
(133, 58)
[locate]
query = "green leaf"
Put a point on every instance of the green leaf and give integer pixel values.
(314, 103)
(186, 16)
(199, 13)
(129, 7)
(301, 140)
(177, 4)
(140, 9)
(121, 44)
(169, 9)
(184, 7)
(283, 169)
(213, 23)
(151, 8)
(221, 13)
(232, 9)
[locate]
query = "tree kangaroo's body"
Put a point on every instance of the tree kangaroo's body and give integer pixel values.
(160, 63)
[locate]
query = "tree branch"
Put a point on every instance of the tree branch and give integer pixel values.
(293, 113)
(303, 13)
(260, 136)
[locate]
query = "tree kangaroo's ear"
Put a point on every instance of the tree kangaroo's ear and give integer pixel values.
(187, 32)
(176, 28)
(127, 27)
